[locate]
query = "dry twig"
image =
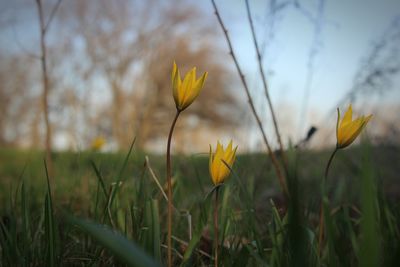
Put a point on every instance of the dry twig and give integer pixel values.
(265, 85)
(275, 162)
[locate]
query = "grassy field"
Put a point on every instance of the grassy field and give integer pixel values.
(60, 221)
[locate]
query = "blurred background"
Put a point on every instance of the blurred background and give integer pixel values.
(109, 65)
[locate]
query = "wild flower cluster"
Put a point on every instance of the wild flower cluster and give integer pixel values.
(221, 161)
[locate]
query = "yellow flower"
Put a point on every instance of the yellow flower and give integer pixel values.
(218, 169)
(186, 91)
(98, 143)
(347, 130)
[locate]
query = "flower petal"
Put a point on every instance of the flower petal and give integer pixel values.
(195, 90)
(174, 69)
(337, 124)
(347, 117)
(200, 82)
(176, 84)
(186, 90)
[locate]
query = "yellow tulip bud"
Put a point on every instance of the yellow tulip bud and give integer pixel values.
(218, 161)
(347, 130)
(186, 91)
(98, 143)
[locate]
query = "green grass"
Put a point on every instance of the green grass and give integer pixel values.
(81, 217)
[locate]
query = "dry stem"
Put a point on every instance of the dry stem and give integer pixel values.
(275, 162)
(45, 80)
(265, 85)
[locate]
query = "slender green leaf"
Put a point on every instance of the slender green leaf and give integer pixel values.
(26, 232)
(125, 250)
(100, 178)
(119, 177)
(49, 224)
(152, 235)
(370, 241)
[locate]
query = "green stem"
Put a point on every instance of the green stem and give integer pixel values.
(169, 177)
(323, 189)
(216, 227)
(329, 163)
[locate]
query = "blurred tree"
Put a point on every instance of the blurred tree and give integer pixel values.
(129, 46)
(108, 67)
(17, 98)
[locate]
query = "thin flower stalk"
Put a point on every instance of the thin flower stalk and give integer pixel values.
(347, 130)
(216, 244)
(184, 92)
(220, 165)
(169, 183)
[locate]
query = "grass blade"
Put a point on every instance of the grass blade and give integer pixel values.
(49, 224)
(369, 248)
(100, 178)
(26, 233)
(196, 236)
(152, 235)
(119, 177)
(125, 250)
(330, 233)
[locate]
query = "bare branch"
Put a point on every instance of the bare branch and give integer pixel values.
(378, 68)
(250, 101)
(264, 81)
(46, 86)
(53, 12)
(318, 22)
